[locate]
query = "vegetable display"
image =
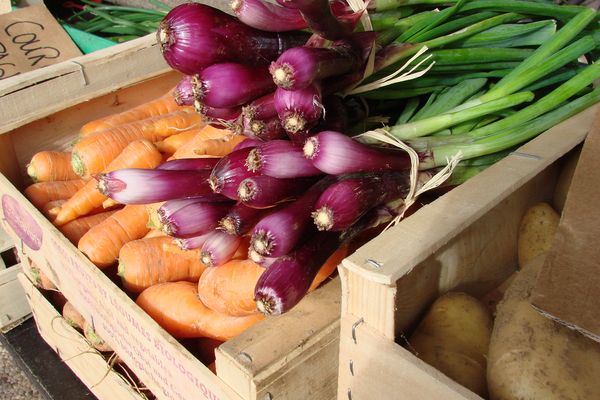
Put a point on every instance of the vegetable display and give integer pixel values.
(287, 137)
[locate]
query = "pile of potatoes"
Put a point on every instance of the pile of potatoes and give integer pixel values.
(507, 350)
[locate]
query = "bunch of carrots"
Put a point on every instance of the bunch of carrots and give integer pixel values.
(212, 303)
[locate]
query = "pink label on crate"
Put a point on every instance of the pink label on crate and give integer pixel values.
(24, 225)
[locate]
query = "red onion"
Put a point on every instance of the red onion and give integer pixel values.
(320, 19)
(227, 85)
(298, 67)
(264, 191)
(342, 203)
(219, 247)
(143, 186)
(299, 110)
(280, 159)
(194, 242)
(190, 217)
(229, 172)
(277, 233)
(335, 153)
(193, 36)
(240, 219)
(184, 92)
(268, 17)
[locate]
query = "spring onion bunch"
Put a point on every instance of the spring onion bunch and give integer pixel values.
(302, 89)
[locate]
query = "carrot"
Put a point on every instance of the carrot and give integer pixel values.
(163, 105)
(42, 192)
(170, 144)
(146, 262)
(218, 147)
(75, 229)
(93, 153)
(206, 133)
(137, 154)
(72, 316)
(102, 243)
(229, 288)
(51, 208)
(96, 341)
(40, 279)
(51, 166)
(152, 233)
(176, 307)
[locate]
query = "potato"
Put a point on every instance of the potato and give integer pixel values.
(453, 337)
(536, 232)
(532, 357)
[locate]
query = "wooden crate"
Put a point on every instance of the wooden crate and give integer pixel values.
(88, 364)
(293, 356)
(466, 240)
(13, 306)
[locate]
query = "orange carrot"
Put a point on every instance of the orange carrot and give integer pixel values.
(42, 192)
(188, 150)
(146, 262)
(163, 105)
(138, 154)
(40, 279)
(72, 316)
(93, 153)
(51, 208)
(170, 144)
(152, 233)
(229, 288)
(176, 307)
(102, 243)
(51, 166)
(96, 341)
(75, 229)
(218, 147)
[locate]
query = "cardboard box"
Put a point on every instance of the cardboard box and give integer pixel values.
(467, 241)
(568, 288)
(31, 38)
(293, 356)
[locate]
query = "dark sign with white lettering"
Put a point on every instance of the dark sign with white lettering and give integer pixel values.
(31, 38)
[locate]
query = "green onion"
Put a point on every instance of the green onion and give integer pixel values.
(512, 35)
(394, 55)
(445, 120)
(512, 136)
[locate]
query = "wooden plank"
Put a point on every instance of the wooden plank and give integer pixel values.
(88, 364)
(13, 305)
(443, 245)
(40, 93)
(253, 366)
(374, 367)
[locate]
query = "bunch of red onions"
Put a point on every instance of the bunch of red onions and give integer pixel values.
(296, 188)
